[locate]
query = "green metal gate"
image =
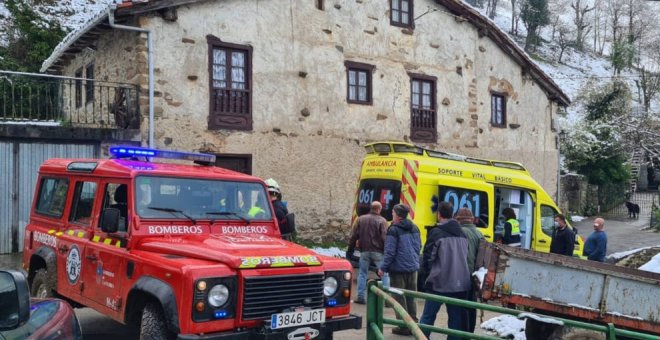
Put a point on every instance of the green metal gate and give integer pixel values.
(377, 295)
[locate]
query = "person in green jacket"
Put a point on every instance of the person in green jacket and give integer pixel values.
(466, 219)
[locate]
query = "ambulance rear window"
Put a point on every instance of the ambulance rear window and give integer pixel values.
(387, 192)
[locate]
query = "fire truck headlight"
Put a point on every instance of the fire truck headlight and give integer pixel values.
(218, 295)
(330, 286)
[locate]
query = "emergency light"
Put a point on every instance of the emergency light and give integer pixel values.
(133, 151)
(220, 314)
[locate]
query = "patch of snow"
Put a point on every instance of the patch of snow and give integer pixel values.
(625, 316)
(506, 326)
(548, 300)
(29, 122)
(653, 265)
(540, 318)
(332, 252)
(582, 307)
(480, 274)
(577, 218)
(620, 255)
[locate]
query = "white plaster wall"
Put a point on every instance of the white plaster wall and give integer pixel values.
(316, 159)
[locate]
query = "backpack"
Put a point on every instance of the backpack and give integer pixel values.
(289, 226)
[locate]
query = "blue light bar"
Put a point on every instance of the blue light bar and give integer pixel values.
(133, 151)
(331, 302)
(220, 314)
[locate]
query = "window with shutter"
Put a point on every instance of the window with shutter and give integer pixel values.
(423, 113)
(230, 88)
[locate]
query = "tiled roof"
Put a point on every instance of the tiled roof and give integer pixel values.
(485, 26)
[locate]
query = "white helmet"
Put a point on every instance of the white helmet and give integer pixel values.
(272, 185)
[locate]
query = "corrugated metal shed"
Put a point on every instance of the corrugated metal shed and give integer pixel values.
(19, 182)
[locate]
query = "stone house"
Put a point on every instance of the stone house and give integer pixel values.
(294, 89)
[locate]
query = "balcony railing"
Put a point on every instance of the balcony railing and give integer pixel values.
(28, 97)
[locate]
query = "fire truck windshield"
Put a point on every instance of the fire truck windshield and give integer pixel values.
(196, 199)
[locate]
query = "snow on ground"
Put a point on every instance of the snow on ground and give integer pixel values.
(577, 218)
(620, 255)
(333, 251)
(653, 265)
(506, 326)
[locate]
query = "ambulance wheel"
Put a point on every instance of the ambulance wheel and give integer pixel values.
(41, 286)
(153, 325)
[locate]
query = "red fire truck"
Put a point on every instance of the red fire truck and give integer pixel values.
(178, 250)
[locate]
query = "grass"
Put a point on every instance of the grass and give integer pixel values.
(312, 244)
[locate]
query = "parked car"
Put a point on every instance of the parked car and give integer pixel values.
(25, 318)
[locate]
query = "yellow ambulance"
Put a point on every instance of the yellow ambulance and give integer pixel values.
(399, 172)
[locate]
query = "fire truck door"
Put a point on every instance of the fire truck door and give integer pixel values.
(74, 239)
(104, 256)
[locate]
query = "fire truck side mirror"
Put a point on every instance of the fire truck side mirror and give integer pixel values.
(14, 300)
(110, 220)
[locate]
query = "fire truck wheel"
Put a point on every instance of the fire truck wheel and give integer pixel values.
(41, 287)
(153, 326)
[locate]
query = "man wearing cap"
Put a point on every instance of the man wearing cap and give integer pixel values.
(466, 219)
(370, 230)
(401, 260)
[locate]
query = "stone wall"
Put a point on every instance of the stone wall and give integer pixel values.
(578, 196)
(305, 134)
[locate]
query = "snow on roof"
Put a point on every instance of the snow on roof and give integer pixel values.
(510, 47)
(72, 37)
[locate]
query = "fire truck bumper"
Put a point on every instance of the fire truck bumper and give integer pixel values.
(319, 331)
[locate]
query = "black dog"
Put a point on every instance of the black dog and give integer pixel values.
(633, 210)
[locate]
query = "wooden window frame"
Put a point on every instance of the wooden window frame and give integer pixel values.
(419, 133)
(493, 122)
(226, 119)
(359, 67)
(246, 156)
(89, 83)
(78, 87)
(320, 4)
(411, 16)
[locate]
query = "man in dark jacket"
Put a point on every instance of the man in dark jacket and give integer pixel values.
(595, 247)
(401, 260)
(466, 219)
(563, 238)
(445, 261)
(370, 230)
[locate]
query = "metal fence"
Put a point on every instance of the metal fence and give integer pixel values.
(377, 295)
(29, 97)
(637, 205)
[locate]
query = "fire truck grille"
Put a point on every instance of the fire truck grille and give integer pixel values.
(264, 296)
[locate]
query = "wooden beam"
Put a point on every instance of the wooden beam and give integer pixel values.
(152, 6)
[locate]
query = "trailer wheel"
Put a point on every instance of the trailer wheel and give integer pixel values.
(153, 325)
(41, 287)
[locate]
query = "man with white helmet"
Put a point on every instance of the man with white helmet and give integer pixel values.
(281, 210)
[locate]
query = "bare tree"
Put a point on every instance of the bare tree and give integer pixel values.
(583, 26)
(515, 16)
(615, 11)
(564, 40)
(491, 8)
(649, 83)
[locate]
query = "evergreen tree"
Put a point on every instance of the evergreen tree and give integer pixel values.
(31, 38)
(595, 147)
(534, 14)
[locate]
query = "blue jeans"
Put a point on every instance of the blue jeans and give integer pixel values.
(457, 316)
(366, 257)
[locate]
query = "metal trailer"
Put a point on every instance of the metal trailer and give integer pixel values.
(571, 287)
